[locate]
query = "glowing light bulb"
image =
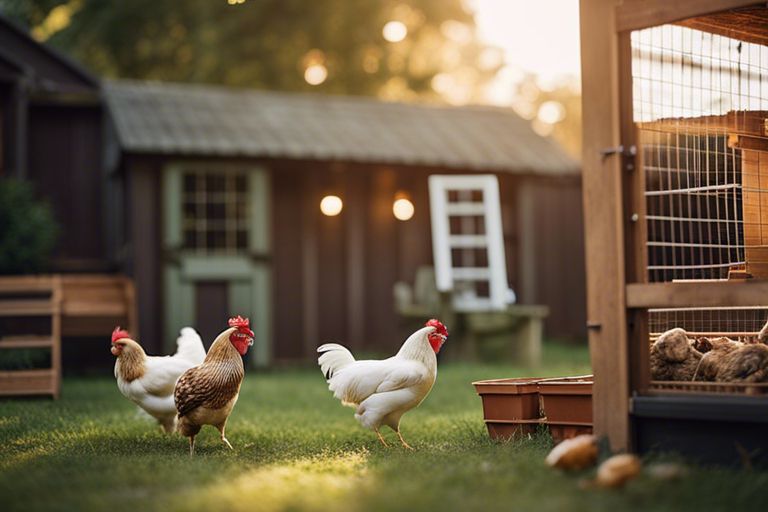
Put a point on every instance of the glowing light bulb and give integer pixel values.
(394, 31)
(315, 74)
(403, 209)
(331, 205)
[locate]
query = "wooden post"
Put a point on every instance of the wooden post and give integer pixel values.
(604, 223)
(528, 339)
(56, 335)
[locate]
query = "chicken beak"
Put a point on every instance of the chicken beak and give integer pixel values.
(250, 335)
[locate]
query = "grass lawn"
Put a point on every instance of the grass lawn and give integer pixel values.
(296, 448)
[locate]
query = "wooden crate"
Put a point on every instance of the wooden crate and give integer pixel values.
(32, 296)
(77, 305)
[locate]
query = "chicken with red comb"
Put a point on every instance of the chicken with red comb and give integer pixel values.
(381, 391)
(206, 394)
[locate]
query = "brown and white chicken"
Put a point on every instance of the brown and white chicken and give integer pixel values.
(206, 394)
(381, 391)
(148, 381)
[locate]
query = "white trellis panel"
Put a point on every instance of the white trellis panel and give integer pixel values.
(463, 280)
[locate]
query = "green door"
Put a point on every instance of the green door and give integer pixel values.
(216, 240)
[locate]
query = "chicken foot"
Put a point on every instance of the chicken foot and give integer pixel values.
(406, 445)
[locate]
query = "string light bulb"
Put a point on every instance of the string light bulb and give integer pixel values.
(331, 205)
(403, 208)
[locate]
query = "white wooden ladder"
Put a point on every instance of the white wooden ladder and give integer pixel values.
(468, 242)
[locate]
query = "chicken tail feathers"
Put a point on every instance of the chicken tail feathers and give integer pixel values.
(190, 346)
(333, 357)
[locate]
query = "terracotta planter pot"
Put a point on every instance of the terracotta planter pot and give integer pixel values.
(516, 407)
(510, 406)
(509, 399)
(567, 401)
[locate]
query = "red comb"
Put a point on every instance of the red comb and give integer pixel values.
(238, 321)
(119, 334)
(438, 325)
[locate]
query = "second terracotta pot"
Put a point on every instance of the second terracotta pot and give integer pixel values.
(567, 401)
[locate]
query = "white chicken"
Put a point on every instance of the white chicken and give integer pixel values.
(382, 391)
(149, 381)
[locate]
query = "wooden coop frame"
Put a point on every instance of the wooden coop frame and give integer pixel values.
(619, 292)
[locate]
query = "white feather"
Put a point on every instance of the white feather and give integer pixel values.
(333, 357)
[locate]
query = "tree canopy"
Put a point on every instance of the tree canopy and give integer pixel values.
(338, 45)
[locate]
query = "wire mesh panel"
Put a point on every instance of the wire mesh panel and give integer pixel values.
(737, 322)
(700, 104)
(699, 101)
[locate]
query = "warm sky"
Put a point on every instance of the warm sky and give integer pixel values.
(540, 36)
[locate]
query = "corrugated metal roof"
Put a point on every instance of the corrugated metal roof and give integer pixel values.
(184, 119)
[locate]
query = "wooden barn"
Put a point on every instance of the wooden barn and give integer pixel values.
(222, 193)
(675, 146)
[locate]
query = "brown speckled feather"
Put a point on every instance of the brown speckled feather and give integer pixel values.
(673, 357)
(212, 384)
(745, 364)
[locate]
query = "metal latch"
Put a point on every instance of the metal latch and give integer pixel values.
(621, 149)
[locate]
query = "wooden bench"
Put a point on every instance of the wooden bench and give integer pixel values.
(518, 329)
(74, 305)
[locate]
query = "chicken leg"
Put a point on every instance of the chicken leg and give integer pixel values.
(381, 438)
(191, 445)
(223, 437)
(406, 445)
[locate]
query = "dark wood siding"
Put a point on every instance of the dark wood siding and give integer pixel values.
(558, 269)
(65, 163)
(333, 276)
(287, 292)
(145, 258)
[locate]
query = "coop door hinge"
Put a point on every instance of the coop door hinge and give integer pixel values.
(621, 149)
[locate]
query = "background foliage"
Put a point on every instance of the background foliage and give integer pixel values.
(28, 231)
(264, 43)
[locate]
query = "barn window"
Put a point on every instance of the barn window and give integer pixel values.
(215, 211)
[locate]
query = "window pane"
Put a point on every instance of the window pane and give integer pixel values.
(215, 211)
(242, 240)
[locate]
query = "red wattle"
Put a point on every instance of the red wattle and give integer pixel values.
(436, 342)
(241, 345)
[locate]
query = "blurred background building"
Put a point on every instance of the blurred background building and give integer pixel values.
(174, 160)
